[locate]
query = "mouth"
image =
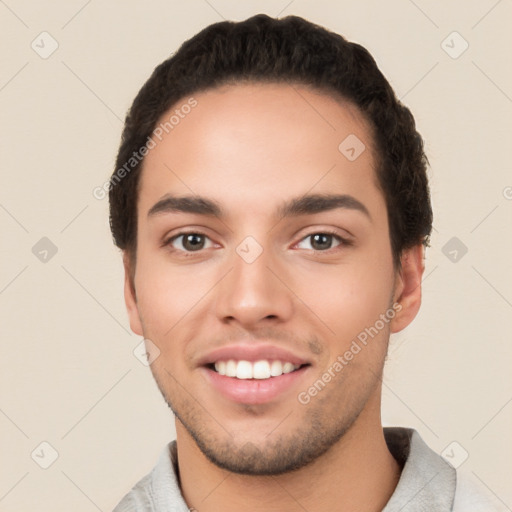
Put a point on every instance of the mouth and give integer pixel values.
(254, 374)
(260, 370)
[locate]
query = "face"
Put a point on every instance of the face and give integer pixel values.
(263, 258)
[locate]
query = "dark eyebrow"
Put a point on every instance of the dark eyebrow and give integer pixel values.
(316, 203)
(187, 204)
(304, 205)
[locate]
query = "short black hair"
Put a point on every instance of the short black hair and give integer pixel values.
(287, 50)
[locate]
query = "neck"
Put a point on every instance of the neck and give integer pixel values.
(358, 472)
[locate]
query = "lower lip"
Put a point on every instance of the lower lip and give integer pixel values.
(253, 391)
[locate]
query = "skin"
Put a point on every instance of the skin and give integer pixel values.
(251, 147)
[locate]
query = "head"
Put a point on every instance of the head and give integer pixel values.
(273, 206)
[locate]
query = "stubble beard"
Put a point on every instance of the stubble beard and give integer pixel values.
(304, 436)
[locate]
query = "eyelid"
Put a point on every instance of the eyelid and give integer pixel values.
(338, 232)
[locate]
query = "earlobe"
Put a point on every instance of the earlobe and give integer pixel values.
(130, 297)
(408, 287)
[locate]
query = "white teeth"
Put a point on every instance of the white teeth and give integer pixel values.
(288, 367)
(244, 370)
(262, 369)
(276, 368)
(220, 366)
(230, 368)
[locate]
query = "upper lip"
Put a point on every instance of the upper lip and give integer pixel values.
(251, 352)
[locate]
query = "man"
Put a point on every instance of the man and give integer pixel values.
(271, 202)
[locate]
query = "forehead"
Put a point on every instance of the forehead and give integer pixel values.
(242, 143)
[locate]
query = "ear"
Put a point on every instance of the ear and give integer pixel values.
(130, 297)
(408, 287)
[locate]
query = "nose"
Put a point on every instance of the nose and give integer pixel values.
(254, 293)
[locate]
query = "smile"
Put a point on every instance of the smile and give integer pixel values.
(263, 369)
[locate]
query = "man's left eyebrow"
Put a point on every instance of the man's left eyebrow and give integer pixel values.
(317, 203)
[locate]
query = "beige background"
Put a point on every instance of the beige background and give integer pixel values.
(68, 373)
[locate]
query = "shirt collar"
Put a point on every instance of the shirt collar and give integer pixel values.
(427, 481)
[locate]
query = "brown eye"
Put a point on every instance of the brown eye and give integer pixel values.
(321, 241)
(188, 242)
(193, 242)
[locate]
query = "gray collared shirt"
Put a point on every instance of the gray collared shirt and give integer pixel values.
(427, 481)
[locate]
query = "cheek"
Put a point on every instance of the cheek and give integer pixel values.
(346, 299)
(167, 294)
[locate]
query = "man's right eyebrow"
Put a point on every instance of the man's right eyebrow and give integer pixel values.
(186, 204)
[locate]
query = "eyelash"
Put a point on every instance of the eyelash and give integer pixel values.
(342, 241)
